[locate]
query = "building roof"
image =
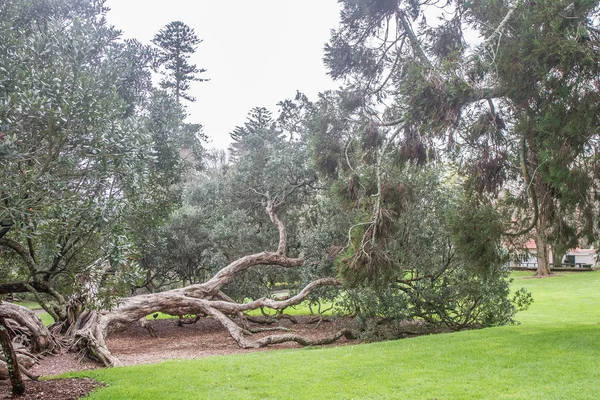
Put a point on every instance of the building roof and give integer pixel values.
(530, 245)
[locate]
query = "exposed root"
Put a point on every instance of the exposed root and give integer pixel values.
(277, 339)
(271, 319)
(23, 370)
(261, 320)
(271, 329)
(318, 320)
(28, 374)
(27, 329)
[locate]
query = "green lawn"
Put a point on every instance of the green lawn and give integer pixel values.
(553, 354)
(300, 309)
(32, 305)
(35, 306)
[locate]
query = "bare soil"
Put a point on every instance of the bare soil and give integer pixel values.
(135, 346)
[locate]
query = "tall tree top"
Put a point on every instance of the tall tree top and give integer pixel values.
(176, 42)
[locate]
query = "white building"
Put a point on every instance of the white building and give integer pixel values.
(574, 257)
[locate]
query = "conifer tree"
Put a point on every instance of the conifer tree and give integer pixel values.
(176, 42)
(516, 100)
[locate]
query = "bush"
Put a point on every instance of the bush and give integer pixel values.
(447, 265)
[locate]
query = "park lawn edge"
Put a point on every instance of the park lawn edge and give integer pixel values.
(552, 355)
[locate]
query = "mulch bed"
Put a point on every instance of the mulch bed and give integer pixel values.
(60, 389)
(135, 346)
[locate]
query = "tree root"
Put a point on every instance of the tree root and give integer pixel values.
(301, 340)
(318, 320)
(271, 329)
(270, 319)
(260, 320)
(23, 370)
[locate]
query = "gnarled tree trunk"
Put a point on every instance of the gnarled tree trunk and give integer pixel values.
(89, 332)
(29, 329)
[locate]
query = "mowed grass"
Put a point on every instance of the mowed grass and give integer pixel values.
(35, 306)
(553, 354)
(299, 309)
(32, 305)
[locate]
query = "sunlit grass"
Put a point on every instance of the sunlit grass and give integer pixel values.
(32, 305)
(552, 354)
(46, 318)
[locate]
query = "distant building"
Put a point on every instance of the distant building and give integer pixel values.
(577, 258)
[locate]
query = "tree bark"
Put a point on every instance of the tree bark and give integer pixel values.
(12, 365)
(91, 329)
(557, 257)
(543, 263)
(30, 327)
(21, 287)
(89, 332)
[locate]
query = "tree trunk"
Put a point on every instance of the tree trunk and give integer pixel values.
(543, 263)
(35, 335)
(90, 330)
(557, 256)
(12, 365)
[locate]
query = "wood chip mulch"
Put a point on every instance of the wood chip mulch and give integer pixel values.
(58, 389)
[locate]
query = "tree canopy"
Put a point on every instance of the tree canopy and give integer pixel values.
(87, 145)
(511, 89)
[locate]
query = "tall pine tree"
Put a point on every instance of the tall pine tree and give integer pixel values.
(176, 42)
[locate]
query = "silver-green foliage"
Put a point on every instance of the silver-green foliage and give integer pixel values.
(78, 146)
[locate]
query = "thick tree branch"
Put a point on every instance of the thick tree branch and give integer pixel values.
(21, 287)
(90, 329)
(228, 307)
(272, 212)
(21, 251)
(414, 41)
(224, 276)
(498, 30)
(42, 303)
(5, 228)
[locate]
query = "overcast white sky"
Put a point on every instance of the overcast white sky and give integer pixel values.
(257, 52)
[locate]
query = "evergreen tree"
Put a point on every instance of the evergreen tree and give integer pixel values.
(176, 42)
(259, 131)
(518, 108)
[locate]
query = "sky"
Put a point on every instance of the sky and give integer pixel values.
(256, 53)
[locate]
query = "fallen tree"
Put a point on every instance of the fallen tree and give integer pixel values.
(89, 332)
